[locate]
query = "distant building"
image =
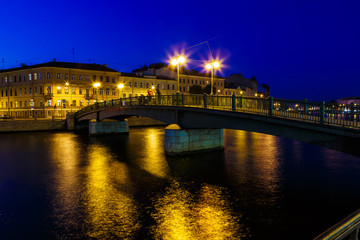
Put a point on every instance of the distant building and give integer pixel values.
(349, 100)
(237, 81)
(63, 86)
(187, 77)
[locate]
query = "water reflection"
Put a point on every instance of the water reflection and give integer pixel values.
(206, 214)
(66, 187)
(109, 205)
(150, 151)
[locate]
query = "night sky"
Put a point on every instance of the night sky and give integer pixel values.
(301, 49)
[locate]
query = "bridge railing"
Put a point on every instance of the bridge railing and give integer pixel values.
(348, 228)
(317, 112)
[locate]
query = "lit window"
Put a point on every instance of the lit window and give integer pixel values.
(107, 91)
(35, 76)
(73, 90)
(101, 91)
(66, 90)
(58, 76)
(48, 76)
(87, 77)
(29, 76)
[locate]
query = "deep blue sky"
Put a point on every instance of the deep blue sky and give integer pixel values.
(300, 48)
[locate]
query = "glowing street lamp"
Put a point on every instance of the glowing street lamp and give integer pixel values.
(211, 66)
(96, 85)
(176, 62)
(120, 87)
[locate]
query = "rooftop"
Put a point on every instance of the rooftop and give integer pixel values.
(85, 66)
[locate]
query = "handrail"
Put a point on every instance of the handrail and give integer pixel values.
(348, 227)
(303, 110)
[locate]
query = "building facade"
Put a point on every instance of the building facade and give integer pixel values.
(187, 78)
(55, 88)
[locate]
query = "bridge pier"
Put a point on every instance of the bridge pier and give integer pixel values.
(186, 141)
(108, 126)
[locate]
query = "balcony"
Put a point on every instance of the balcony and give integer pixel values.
(89, 96)
(48, 96)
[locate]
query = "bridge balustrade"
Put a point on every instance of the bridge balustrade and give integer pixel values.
(317, 112)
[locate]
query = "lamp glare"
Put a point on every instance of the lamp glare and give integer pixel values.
(174, 62)
(181, 59)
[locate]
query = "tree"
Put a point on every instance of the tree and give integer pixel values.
(195, 89)
(207, 89)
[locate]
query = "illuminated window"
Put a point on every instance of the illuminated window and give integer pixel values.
(101, 91)
(107, 91)
(48, 75)
(73, 90)
(66, 90)
(35, 76)
(87, 77)
(80, 92)
(29, 76)
(58, 76)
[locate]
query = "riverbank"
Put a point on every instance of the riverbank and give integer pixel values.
(25, 125)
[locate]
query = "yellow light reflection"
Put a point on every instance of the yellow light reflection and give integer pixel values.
(179, 216)
(112, 211)
(65, 154)
(153, 159)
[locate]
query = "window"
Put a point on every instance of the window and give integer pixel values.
(188, 81)
(20, 104)
(81, 77)
(113, 79)
(94, 91)
(35, 76)
(81, 103)
(73, 90)
(192, 81)
(124, 95)
(58, 76)
(135, 84)
(80, 92)
(66, 90)
(30, 91)
(195, 81)
(20, 78)
(41, 89)
(141, 85)
(58, 103)
(162, 86)
(40, 76)
(29, 76)
(107, 91)
(87, 77)
(10, 92)
(48, 75)
(74, 103)
(10, 79)
(48, 89)
(94, 77)
(49, 103)
(41, 103)
(24, 91)
(101, 78)
(107, 79)
(19, 91)
(113, 92)
(147, 85)
(129, 84)
(35, 90)
(25, 104)
(73, 77)
(6, 79)
(66, 76)
(168, 86)
(101, 92)
(58, 88)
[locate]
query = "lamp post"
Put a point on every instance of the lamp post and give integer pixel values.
(211, 66)
(120, 87)
(96, 85)
(176, 62)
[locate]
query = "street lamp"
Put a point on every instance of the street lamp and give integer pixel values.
(211, 66)
(96, 85)
(176, 62)
(120, 87)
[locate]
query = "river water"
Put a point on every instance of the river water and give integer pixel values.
(71, 186)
